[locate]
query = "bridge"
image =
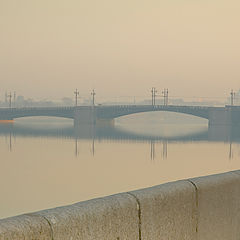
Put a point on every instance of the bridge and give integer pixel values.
(228, 115)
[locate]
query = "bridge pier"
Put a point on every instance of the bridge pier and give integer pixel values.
(84, 116)
(224, 123)
(220, 117)
(86, 121)
(5, 116)
(228, 116)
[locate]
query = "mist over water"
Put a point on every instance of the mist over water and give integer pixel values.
(46, 162)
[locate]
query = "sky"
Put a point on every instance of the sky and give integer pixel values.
(48, 48)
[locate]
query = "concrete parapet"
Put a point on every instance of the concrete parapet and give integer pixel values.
(237, 172)
(25, 227)
(168, 211)
(204, 208)
(218, 206)
(114, 217)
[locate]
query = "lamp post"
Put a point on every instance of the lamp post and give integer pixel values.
(93, 97)
(232, 97)
(76, 96)
(153, 91)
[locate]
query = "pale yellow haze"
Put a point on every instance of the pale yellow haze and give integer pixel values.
(119, 47)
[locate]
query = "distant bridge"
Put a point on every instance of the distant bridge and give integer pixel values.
(91, 114)
(101, 112)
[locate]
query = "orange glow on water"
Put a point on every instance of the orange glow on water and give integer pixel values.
(6, 121)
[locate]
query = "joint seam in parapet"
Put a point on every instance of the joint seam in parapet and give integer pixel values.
(50, 226)
(139, 215)
(197, 211)
(47, 222)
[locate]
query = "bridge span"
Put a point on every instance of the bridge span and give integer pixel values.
(91, 114)
(111, 112)
(13, 113)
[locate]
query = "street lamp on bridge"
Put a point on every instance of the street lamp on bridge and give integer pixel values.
(165, 97)
(232, 97)
(10, 99)
(153, 91)
(93, 97)
(76, 96)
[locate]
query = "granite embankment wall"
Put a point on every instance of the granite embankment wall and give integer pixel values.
(204, 208)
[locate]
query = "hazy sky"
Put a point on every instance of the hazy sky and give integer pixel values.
(50, 47)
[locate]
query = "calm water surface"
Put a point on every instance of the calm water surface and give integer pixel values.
(47, 162)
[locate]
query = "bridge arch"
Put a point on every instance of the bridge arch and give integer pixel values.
(119, 111)
(14, 113)
(39, 116)
(162, 114)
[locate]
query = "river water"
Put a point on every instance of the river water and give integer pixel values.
(47, 162)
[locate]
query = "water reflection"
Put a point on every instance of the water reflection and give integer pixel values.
(164, 151)
(94, 132)
(76, 147)
(162, 145)
(152, 150)
(110, 133)
(230, 156)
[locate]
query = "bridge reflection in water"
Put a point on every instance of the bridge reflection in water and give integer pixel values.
(216, 133)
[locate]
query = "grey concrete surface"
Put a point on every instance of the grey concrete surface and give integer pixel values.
(168, 211)
(236, 172)
(218, 206)
(25, 227)
(111, 218)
